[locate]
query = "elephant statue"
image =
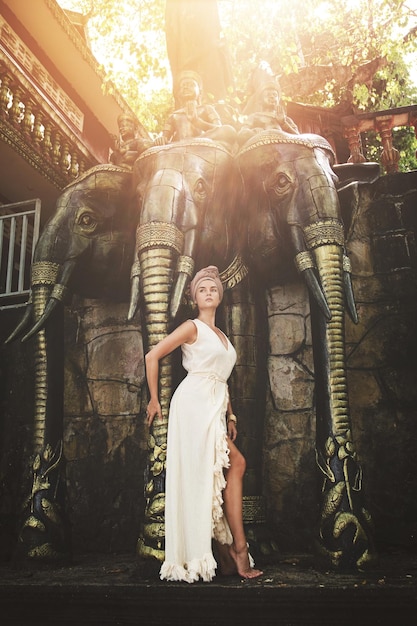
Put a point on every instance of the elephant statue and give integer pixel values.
(187, 218)
(291, 210)
(86, 248)
(185, 199)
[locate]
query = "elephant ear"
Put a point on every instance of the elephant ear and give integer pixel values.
(349, 177)
(356, 173)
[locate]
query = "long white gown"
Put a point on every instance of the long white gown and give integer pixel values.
(197, 454)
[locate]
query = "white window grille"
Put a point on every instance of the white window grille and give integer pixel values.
(19, 233)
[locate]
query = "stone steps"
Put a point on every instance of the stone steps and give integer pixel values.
(113, 590)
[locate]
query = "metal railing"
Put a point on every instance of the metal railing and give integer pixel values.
(28, 119)
(19, 233)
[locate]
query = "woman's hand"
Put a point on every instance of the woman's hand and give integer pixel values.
(153, 410)
(231, 430)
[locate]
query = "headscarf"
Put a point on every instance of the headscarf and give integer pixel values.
(211, 272)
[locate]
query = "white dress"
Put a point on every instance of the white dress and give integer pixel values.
(197, 454)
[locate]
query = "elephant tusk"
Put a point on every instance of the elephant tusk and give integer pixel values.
(50, 307)
(180, 283)
(24, 322)
(350, 299)
(134, 297)
(306, 267)
(134, 289)
(317, 292)
(59, 293)
(185, 269)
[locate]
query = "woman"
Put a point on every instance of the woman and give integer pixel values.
(204, 467)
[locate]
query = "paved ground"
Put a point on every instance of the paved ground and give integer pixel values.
(97, 590)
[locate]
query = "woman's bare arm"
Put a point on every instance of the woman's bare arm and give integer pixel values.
(186, 333)
(231, 425)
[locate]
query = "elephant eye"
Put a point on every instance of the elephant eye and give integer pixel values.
(281, 183)
(200, 189)
(86, 221)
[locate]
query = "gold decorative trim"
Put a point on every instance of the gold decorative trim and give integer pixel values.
(323, 232)
(34, 522)
(135, 269)
(44, 273)
(185, 265)
(277, 137)
(234, 273)
(60, 292)
(159, 234)
(43, 552)
(304, 261)
(347, 265)
(148, 552)
(101, 167)
(254, 510)
(198, 141)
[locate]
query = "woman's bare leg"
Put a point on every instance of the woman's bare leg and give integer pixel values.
(232, 497)
(227, 566)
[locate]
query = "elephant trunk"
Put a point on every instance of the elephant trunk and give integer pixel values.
(329, 262)
(157, 268)
(345, 534)
(158, 247)
(44, 276)
(40, 298)
(44, 534)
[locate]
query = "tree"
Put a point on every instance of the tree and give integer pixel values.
(328, 53)
(350, 53)
(128, 39)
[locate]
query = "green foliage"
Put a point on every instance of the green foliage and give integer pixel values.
(406, 143)
(404, 140)
(128, 39)
(326, 53)
(313, 34)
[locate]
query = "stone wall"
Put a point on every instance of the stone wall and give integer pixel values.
(104, 439)
(381, 353)
(290, 477)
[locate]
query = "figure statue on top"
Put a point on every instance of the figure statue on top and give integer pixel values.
(269, 113)
(193, 118)
(130, 143)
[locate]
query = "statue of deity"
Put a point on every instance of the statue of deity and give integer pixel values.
(271, 114)
(194, 118)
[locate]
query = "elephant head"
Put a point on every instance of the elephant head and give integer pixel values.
(86, 247)
(185, 197)
(292, 209)
(86, 243)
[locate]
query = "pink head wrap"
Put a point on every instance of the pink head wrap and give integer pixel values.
(212, 273)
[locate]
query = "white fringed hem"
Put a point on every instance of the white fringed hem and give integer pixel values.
(220, 528)
(191, 572)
